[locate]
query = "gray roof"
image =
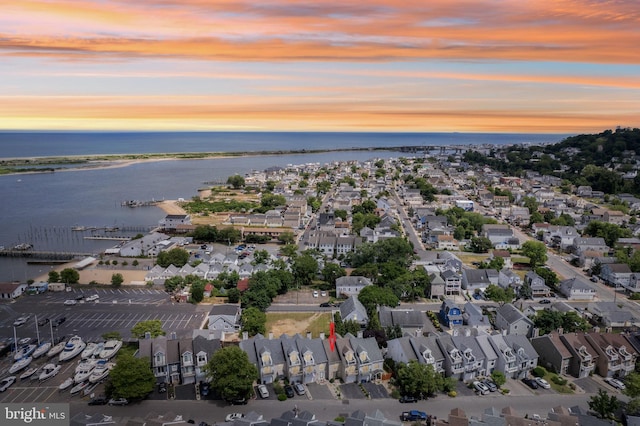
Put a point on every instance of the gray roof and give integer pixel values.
(202, 344)
(518, 341)
(226, 309)
(353, 305)
(485, 346)
(511, 314)
(369, 344)
(405, 318)
(421, 343)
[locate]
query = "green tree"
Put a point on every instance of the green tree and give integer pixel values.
(111, 335)
(603, 404)
(254, 321)
(287, 237)
(54, 277)
(480, 244)
(231, 373)
(632, 383)
(331, 272)
(550, 278)
(498, 378)
(131, 377)
(233, 295)
(609, 231)
(323, 186)
(530, 203)
(547, 321)
(342, 214)
(176, 256)
(236, 181)
(418, 380)
(260, 256)
(304, 268)
(536, 251)
(69, 276)
(117, 279)
(153, 327)
(373, 296)
(289, 250)
(197, 291)
(499, 294)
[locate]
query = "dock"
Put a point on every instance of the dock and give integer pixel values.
(105, 237)
(44, 255)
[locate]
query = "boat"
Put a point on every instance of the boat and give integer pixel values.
(87, 391)
(77, 388)
(99, 348)
(28, 373)
(24, 351)
(55, 350)
(20, 364)
(72, 348)
(24, 341)
(88, 350)
(42, 349)
(111, 347)
(79, 228)
(49, 371)
(85, 364)
(83, 371)
(64, 385)
(100, 372)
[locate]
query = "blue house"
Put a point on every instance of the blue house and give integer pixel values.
(450, 313)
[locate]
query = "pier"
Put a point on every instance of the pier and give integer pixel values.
(106, 237)
(138, 203)
(44, 255)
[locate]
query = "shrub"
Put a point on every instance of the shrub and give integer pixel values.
(339, 419)
(539, 371)
(278, 389)
(505, 391)
(572, 386)
(282, 397)
(452, 394)
(558, 380)
(395, 394)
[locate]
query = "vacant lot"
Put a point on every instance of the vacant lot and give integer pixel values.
(298, 322)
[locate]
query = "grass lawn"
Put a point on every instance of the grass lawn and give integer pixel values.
(298, 322)
(469, 258)
(558, 388)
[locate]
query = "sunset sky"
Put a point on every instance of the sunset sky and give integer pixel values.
(541, 66)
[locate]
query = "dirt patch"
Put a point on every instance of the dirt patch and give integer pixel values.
(295, 323)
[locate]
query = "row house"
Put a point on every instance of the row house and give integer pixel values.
(511, 321)
(424, 350)
(583, 356)
(172, 360)
(616, 274)
(616, 356)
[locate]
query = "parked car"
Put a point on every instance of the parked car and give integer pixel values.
(542, 383)
(233, 416)
(43, 321)
(616, 383)
(326, 305)
(118, 401)
(205, 387)
(545, 301)
(92, 298)
(99, 400)
(80, 297)
(490, 384)
(263, 391)
(594, 279)
(20, 321)
(288, 390)
(299, 387)
(413, 415)
(70, 302)
(481, 387)
(59, 321)
(315, 293)
(323, 294)
(408, 399)
(238, 401)
(531, 383)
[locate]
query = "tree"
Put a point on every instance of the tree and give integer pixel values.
(480, 244)
(550, 278)
(253, 321)
(54, 277)
(289, 250)
(498, 378)
(176, 256)
(632, 383)
(418, 380)
(131, 377)
(231, 373)
(260, 256)
(536, 251)
(287, 237)
(117, 279)
(331, 272)
(531, 204)
(499, 294)
(233, 295)
(547, 321)
(153, 327)
(603, 404)
(304, 268)
(236, 181)
(323, 186)
(197, 291)
(372, 296)
(69, 276)
(609, 231)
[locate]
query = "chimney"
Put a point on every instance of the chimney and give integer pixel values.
(270, 335)
(308, 335)
(560, 330)
(173, 335)
(147, 335)
(359, 334)
(245, 335)
(322, 335)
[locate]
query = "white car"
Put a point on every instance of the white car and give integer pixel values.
(233, 416)
(92, 298)
(542, 383)
(481, 388)
(263, 391)
(22, 320)
(615, 383)
(70, 302)
(315, 293)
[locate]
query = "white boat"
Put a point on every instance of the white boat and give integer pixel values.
(20, 364)
(111, 347)
(24, 352)
(77, 388)
(73, 348)
(64, 385)
(99, 348)
(55, 350)
(83, 372)
(49, 371)
(28, 373)
(86, 363)
(41, 350)
(100, 372)
(24, 341)
(87, 391)
(88, 350)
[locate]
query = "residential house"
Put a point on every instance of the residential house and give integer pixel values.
(612, 315)
(173, 360)
(526, 355)
(203, 349)
(401, 350)
(498, 234)
(506, 361)
(490, 356)
(511, 321)
(537, 285)
(350, 285)
(577, 288)
(450, 314)
(614, 216)
(348, 368)
(267, 355)
(454, 365)
(446, 242)
(505, 255)
(409, 320)
(472, 356)
(561, 237)
(12, 290)
(428, 352)
(474, 318)
(583, 356)
(554, 354)
(368, 357)
(507, 278)
(616, 356)
(156, 351)
(478, 279)
(225, 318)
(437, 285)
(582, 244)
(187, 361)
(352, 310)
(452, 282)
(616, 274)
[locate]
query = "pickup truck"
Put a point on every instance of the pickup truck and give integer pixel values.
(413, 415)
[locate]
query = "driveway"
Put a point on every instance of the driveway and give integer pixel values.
(317, 391)
(351, 391)
(376, 391)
